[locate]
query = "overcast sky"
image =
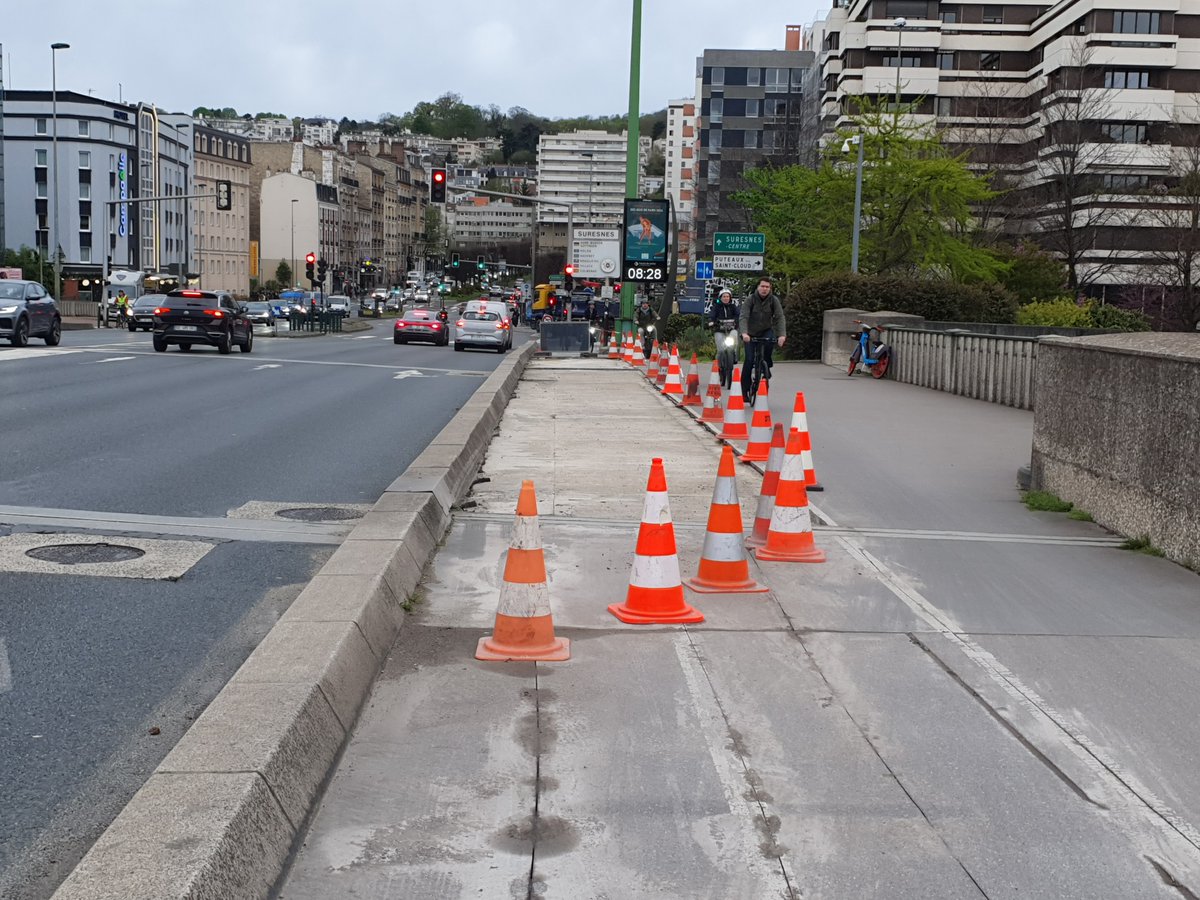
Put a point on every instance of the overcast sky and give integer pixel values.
(361, 58)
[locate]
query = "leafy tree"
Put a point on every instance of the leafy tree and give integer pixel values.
(657, 165)
(1033, 274)
(283, 272)
(33, 267)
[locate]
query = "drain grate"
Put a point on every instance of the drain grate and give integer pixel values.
(84, 554)
(320, 514)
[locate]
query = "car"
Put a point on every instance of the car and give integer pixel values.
(421, 324)
(27, 310)
(339, 304)
(262, 318)
(483, 327)
(421, 297)
(188, 317)
(141, 311)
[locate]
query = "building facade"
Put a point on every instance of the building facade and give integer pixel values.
(221, 239)
(298, 216)
(585, 169)
(483, 222)
(680, 157)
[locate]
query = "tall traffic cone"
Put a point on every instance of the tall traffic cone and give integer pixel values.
(524, 627)
(691, 395)
(673, 386)
(734, 425)
(724, 568)
(735, 385)
(652, 362)
(714, 409)
(613, 352)
(662, 368)
(790, 537)
(759, 448)
(639, 359)
(627, 349)
(800, 423)
(655, 591)
(770, 484)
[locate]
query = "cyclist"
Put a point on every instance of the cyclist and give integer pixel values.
(646, 318)
(121, 307)
(724, 320)
(763, 327)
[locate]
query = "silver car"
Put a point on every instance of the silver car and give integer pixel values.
(262, 318)
(483, 328)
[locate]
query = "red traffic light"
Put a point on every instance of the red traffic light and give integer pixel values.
(311, 259)
(439, 176)
(569, 270)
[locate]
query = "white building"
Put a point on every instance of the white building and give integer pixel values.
(680, 170)
(318, 132)
(586, 169)
(255, 129)
(297, 216)
(481, 222)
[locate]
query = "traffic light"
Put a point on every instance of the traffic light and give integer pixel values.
(309, 262)
(322, 267)
(224, 195)
(568, 277)
(454, 260)
(482, 262)
(437, 186)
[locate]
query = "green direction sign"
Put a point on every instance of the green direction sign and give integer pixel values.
(739, 242)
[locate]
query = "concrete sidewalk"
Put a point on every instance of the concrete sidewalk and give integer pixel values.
(837, 737)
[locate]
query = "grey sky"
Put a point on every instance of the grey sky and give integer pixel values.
(361, 58)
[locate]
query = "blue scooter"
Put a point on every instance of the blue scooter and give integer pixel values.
(874, 355)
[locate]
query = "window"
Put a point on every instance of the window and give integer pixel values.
(1127, 78)
(907, 9)
(85, 128)
(950, 15)
(945, 60)
(777, 80)
(714, 141)
(1126, 182)
(1138, 22)
(907, 62)
(41, 190)
(85, 191)
(85, 254)
(993, 15)
(714, 171)
(39, 126)
(716, 110)
(85, 223)
(85, 159)
(39, 157)
(718, 75)
(754, 77)
(945, 106)
(42, 221)
(1124, 132)
(989, 62)
(753, 109)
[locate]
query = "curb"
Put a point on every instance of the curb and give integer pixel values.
(219, 816)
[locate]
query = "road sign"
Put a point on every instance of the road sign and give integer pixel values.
(737, 262)
(704, 270)
(596, 252)
(739, 242)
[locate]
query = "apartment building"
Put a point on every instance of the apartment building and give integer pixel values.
(277, 129)
(680, 156)
(298, 215)
(483, 222)
(585, 169)
(1086, 113)
(221, 239)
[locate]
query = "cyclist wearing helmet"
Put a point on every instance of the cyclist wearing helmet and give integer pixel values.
(723, 320)
(763, 326)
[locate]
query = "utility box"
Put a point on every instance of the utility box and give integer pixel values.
(565, 338)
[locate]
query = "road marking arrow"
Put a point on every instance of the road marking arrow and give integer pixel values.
(5, 670)
(409, 373)
(116, 359)
(267, 366)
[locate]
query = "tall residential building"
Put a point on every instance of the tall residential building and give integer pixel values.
(681, 169)
(289, 230)
(751, 113)
(221, 239)
(1088, 116)
(480, 223)
(586, 169)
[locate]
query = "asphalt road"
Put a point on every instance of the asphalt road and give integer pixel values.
(91, 663)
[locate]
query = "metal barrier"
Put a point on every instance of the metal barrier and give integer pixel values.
(322, 322)
(565, 337)
(979, 366)
(85, 308)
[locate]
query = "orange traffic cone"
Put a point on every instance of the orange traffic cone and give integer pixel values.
(524, 627)
(673, 386)
(691, 396)
(627, 349)
(790, 537)
(800, 423)
(639, 358)
(759, 448)
(734, 425)
(613, 352)
(770, 484)
(735, 385)
(724, 568)
(652, 362)
(655, 591)
(662, 368)
(713, 407)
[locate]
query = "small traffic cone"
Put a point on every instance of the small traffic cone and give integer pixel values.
(733, 426)
(770, 484)
(759, 448)
(524, 626)
(691, 396)
(652, 362)
(724, 568)
(790, 536)
(800, 423)
(673, 386)
(613, 352)
(639, 358)
(713, 407)
(655, 591)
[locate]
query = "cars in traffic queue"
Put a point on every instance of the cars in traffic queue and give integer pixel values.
(262, 318)
(188, 317)
(483, 325)
(338, 303)
(421, 324)
(27, 310)
(141, 312)
(421, 296)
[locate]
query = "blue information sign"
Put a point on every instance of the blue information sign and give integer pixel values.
(704, 270)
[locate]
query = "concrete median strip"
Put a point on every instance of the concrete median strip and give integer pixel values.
(220, 814)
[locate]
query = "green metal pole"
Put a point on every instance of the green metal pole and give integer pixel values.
(631, 147)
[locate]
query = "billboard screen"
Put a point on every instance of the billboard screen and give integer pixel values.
(644, 238)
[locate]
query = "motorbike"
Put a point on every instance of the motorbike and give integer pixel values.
(647, 340)
(873, 354)
(725, 337)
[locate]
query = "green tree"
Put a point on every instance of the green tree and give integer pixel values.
(283, 272)
(1033, 274)
(917, 202)
(33, 267)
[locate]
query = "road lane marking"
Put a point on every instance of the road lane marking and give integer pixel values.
(267, 366)
(5, 669)
(363, 337)
(113, 359)
(409, 373)
(242, 359)
(34, 353)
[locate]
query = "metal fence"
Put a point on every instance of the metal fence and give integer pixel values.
(78, 308)
(981, 366)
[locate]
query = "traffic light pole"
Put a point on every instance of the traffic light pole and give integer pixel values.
(632, 142)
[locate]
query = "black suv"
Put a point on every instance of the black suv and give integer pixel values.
(186, 317)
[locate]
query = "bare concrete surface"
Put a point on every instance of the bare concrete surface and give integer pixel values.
(846, 735)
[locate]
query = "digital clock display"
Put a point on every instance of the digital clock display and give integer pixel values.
(636, 272)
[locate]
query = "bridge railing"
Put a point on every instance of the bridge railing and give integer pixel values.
(995, 368)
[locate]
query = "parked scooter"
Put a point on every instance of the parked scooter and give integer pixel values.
(874, 355)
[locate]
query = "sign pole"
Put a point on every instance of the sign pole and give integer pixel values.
(632, 142)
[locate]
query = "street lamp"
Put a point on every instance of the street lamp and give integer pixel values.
(899, 23)
(54, 48)
(293, 207)
(857, 139)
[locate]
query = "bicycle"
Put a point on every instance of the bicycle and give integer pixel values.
(756, 366)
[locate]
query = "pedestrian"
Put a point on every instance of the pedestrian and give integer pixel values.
(763, 326)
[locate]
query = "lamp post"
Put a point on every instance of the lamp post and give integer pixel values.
(293, 208)
(899, 23)
(54, 48)
(857, 139)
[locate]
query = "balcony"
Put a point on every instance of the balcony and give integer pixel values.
(1130, 104)
(918, 34)
(920, 80)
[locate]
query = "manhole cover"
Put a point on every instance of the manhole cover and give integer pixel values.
(81, 554)
(320, 514)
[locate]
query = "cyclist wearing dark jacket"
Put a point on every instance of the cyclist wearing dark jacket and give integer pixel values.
(763, 326)
(724, 309)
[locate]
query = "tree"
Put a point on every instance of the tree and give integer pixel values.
(283, 272)
(31, 263)
(917, 203)
(656, 166)
(1033, 274)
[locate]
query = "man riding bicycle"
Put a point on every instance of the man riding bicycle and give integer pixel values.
(763, 327)
(724, 320)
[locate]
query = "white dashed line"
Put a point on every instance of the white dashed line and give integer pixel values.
(5, 670)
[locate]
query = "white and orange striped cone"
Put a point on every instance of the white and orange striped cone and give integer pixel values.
(724, 568)
(613, 351)
(714, 408)
(735, 385)
(662, 368)
(673, 385)
(770, 484)
(627, 349)
(655, 591)
(691, 391)
(524, 626)
(790, 536)
(800, 423)
(733, 427)
(639, 358)
(652, 362)
(759, 447)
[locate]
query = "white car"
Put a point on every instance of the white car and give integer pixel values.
(339, 304)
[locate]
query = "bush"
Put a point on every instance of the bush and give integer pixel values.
(1061, 313)
(696, 339)
(677, 324)
(805, 306)
(1108, 316)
